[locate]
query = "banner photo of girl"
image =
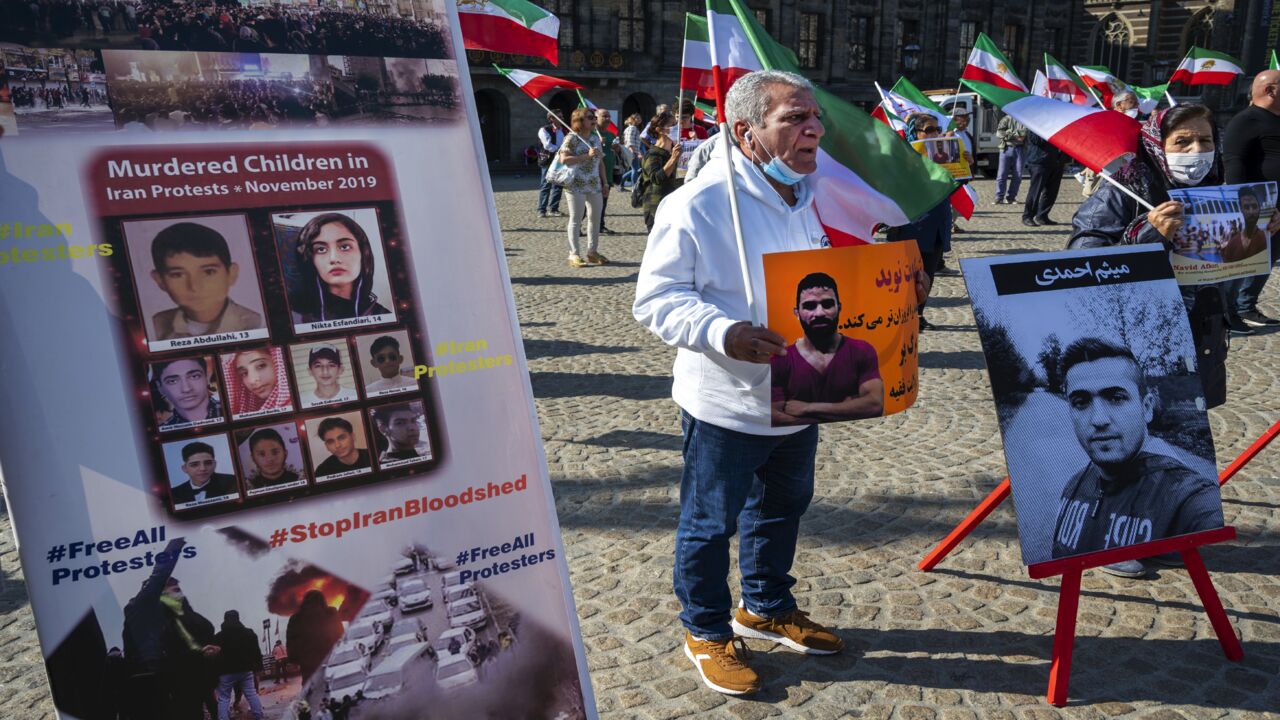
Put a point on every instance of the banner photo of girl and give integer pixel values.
(851, 315)
(1225, 234)
(1100, 404)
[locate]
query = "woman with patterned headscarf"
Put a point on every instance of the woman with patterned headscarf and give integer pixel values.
(257, 381)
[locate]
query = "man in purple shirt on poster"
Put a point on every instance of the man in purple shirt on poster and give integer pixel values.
(825, 376)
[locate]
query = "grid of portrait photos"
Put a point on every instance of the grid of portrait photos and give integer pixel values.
(275, 351)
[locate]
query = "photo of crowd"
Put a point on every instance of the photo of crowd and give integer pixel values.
(206, 90)
(54, 89)
(413, 29)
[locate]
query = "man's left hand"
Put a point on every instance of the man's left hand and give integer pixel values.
(923, 285)
(795, 408)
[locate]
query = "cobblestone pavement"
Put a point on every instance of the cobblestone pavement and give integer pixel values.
(971, 639)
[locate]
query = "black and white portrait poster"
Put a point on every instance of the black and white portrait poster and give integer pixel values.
(1094, 374)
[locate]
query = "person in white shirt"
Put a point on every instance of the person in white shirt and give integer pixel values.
(741, 475)
(550, 137)
(325, 365)
(385, 357)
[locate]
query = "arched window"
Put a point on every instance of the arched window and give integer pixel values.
(1199, 31)
(1111, 45)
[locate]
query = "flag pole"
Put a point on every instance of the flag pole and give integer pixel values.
(721, 89)
(1107, 176)
(550, 112)
(1172, 102)
(884, 103)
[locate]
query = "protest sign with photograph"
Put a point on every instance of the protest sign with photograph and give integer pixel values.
(850, 321)
(947, 152)
(1223, 236)
(269, 407)
(1093, 369)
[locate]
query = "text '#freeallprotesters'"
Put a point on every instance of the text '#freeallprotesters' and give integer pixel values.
(409, 508)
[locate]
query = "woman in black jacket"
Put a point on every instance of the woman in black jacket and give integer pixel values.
(1178, 148)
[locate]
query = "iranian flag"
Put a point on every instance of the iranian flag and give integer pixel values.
(867, 176)
(1100, 80)
(704, 113)
(903, 101)
(535, 85)
(1149, 97)
(1275, 62)
(1040, 86)
(1206, 67)
(584, 102)
(1100, 139)
(695, 65)
(988, 65)
(1064, 84)
(509, 26)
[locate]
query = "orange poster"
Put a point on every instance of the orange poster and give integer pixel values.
(849, 317)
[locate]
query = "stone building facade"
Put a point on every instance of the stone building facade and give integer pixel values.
(627, 53)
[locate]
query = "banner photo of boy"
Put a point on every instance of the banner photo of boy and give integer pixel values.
(1224, 236)
(850, 314)
(947, 152)
(1100, 404)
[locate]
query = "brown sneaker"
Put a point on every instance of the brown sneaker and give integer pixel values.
(720, 664)
(794, 630)
(596, 259)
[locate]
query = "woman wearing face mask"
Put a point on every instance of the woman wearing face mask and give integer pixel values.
(1178, 148)
(660, 162)
(932, 233)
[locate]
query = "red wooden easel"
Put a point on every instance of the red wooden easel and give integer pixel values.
(1071, 569)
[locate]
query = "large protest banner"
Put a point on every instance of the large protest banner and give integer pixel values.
(1101, 409)
(268, 401)
(850, 321)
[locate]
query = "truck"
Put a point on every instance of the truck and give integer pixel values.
(983, 118)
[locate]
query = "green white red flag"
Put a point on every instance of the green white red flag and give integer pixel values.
(1100, 139)
(695, 64)
(1101, 81)
(584, 102)
(510, 26)
(988, 65)
(866, 176)
(535, 85)
(1150, 97)
(1206, 67)
(1065, 85)
(905, 100)
(1275, 62)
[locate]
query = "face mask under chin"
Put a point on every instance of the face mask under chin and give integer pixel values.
(777, 170)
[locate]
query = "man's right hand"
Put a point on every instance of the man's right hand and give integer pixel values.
(749, 343)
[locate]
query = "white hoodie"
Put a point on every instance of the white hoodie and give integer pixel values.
(690, 289)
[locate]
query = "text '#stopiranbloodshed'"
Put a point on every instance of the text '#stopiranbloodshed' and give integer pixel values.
(302, 532)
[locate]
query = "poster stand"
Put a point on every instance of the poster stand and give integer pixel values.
(1069, 596)
(1001, 493)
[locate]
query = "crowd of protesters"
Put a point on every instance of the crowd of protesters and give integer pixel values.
(222, 103)
(50, 98)
(231, 27)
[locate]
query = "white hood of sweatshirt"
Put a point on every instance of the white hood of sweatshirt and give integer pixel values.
(691, 290)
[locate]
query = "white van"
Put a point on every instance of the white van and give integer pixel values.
(390, 674)
(451, 579)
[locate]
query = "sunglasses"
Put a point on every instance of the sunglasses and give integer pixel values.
(929, 130)
(826, 304)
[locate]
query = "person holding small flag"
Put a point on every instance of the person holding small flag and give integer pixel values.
(932, 232)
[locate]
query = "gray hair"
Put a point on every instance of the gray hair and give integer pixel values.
(748, 99)
(1124, 94)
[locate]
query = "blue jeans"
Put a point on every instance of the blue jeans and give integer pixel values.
(227, 684)
(759, 483)
(632, 175)
(1242, 294)
(1010, 172)
(548, 191)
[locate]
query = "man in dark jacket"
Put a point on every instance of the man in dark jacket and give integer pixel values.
(238, 665)
(1251, 153)
(168, 644)
(1045, 162)
(1125, 495)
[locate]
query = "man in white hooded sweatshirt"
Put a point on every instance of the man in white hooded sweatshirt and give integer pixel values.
(740, 473)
